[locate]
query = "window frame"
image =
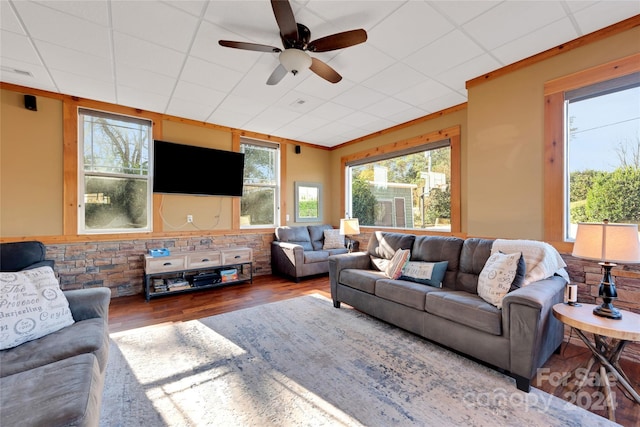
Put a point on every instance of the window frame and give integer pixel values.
(554, 140)
(277, 186)
(82, 173)
(398, 148)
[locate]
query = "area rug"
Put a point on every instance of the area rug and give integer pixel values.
(301, 362)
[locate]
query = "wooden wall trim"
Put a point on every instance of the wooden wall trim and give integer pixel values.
(609, 31)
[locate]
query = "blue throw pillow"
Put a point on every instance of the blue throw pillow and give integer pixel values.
(427, 273)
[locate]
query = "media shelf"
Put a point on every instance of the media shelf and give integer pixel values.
(195, 271)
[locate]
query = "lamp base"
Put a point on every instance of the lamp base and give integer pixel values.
(608, 311)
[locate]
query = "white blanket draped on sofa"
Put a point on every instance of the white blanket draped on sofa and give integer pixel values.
(542, 259)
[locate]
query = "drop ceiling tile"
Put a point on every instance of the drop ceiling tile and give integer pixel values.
(358, 97)
(210, 75)
(59, 28)
(136, 97)
(141, 54)
(332, 111)
(194, 7)
(387, 107)
(605, 13)
(461, 12)
(202, 95)
(413, 25)
(96, 11)
(450, 50)
(162, 24)
(18, 47)
(407, 115)
(84, 87)
(319, 87)
(298, 102)
(456, 77)
(394, 79)
(250, 21)
(206, 47)
(9, 20)
(243, 105)
(426, 90)
(38, 77)
(445, 101)
(233, 119)
(76, 62)
(183, 108)
(302, 125)
(351, 15)
(537, 41)
(145, 80)
(358, 63)
(534, 15)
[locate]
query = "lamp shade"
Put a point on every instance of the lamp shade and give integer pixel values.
(349, 226)
(607, 242)
(295, 60)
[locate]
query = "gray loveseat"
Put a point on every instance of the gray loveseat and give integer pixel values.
(299, 251)
(56, 380)
(518, 338)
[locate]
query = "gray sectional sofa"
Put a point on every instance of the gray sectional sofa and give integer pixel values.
(517, 338)
(56, 380)
(299, 251)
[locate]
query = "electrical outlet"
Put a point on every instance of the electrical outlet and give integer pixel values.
(189, 218)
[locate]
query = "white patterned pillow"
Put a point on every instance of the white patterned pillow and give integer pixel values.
(496, 277)
(333, 239)
(31, 306)
(394, 268)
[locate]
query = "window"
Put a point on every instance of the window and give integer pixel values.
(602, 162)
(260, 201)
(114, 189)
(410, 188)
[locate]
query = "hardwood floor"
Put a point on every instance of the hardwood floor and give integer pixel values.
(134, 312)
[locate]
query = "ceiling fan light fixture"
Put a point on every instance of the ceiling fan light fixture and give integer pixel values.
(295, 60)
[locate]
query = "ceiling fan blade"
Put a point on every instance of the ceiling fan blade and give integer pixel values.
(338, 41)
(285, 19)
(324, 71)
(277, 75)
(250, 46)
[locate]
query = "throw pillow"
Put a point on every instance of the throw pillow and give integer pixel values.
(496, 277)
(333, 239)
(31, 306)
(394, 268)
(427, 273)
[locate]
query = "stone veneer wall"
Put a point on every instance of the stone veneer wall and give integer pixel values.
(119, 265)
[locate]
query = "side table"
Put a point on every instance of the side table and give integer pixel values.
(610, 338)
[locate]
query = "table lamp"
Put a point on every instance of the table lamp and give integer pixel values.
(349, 226)
(609, 244)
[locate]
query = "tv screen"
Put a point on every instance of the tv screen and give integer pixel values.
(186, 169)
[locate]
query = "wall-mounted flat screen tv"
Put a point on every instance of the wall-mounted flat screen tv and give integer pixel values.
(186, 169)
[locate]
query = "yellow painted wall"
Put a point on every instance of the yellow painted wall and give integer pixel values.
(30, 166)
(505, 141)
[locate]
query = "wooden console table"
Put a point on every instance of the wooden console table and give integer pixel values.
(610, 338)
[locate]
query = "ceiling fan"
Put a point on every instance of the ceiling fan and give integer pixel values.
(295, 39)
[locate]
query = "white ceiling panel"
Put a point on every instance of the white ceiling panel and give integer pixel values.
(164, 56)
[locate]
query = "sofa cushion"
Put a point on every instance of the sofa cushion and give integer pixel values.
(316, 234)
(32, 306)
(296, 235)
(466, 309)
(474, 255)
(436, 249)
(63, 393)
(85, 336)
(395, 265)
(497, 276)
(315, 256)
(426, 273)
(384, 245)
(333, 239)
(16, 256)
(342, 250)
(406, 293)
(363, 280)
